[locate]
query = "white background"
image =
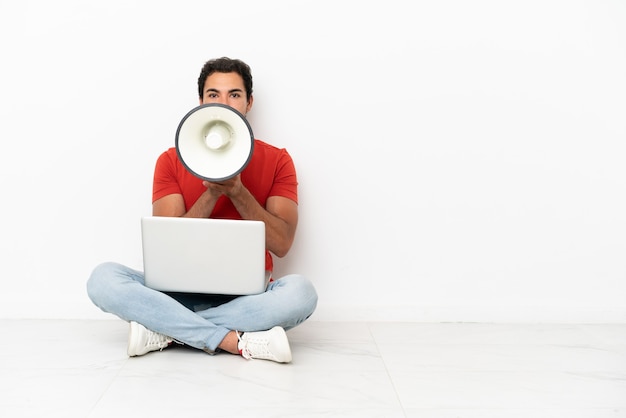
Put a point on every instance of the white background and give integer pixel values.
(458, 160)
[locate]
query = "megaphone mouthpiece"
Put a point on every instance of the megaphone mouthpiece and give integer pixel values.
(218, 136)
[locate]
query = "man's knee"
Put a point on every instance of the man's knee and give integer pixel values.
(303, 293)
(99, 281)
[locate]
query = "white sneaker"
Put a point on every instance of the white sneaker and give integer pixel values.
(141, 340)
(266, 345)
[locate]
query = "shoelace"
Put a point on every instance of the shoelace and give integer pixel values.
(257, 348)
(157, 340)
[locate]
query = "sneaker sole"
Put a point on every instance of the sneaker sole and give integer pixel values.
(133, 333)
(285, 357)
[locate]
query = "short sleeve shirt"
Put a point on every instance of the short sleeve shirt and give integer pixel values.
(270, 172)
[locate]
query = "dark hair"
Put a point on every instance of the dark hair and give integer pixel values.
(226, 65)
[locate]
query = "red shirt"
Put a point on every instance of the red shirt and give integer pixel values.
(270, 172)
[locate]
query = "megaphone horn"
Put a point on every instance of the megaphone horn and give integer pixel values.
(214, 142)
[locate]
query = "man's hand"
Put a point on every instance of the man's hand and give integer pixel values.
(231, 187)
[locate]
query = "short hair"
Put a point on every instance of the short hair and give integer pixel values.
(226, 65)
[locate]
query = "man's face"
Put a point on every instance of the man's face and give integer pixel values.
(228, 89)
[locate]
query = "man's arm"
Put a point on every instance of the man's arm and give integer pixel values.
(280, 214)
(174, 205)
(280, 217)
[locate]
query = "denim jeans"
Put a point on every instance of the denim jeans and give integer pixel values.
(200, 321)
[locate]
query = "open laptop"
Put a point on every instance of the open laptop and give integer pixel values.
(200, 255)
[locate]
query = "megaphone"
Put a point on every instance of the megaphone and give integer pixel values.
(214, 142)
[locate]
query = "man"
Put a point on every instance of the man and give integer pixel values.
(266, 190)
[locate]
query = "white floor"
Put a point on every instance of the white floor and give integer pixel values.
(80, 369)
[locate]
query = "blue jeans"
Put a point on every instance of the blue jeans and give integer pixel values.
(201, 321)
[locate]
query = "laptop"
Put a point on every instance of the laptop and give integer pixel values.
(200, 255)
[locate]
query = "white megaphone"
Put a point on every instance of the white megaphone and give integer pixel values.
(214, 142)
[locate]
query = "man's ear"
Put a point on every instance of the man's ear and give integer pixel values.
(249, 106)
